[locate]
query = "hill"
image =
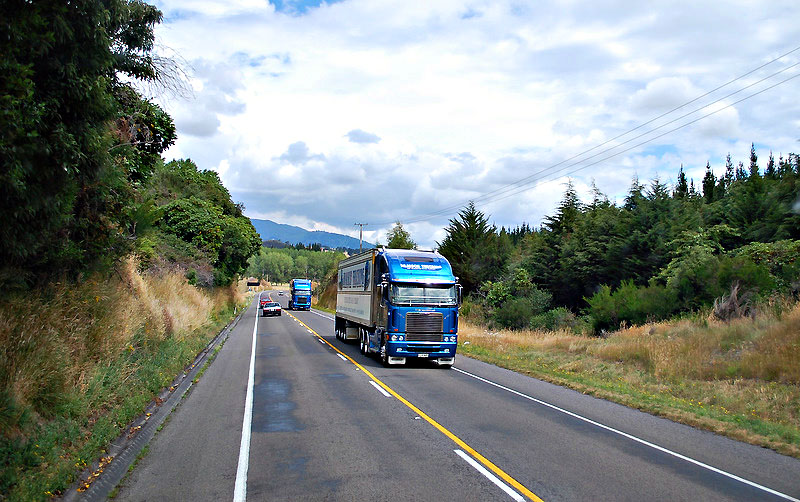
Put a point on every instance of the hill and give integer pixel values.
(269, 230)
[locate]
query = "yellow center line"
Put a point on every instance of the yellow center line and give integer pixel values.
(508, 479)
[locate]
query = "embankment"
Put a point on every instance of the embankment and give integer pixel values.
(79, 361)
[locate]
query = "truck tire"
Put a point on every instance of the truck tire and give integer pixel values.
(362, 342)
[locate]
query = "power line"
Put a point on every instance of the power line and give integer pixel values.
(653, 138)
(499, 193)
(487, 198)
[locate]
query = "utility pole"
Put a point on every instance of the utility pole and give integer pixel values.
(360, 234)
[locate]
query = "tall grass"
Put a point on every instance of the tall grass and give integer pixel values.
(79, 361)
(740, 378)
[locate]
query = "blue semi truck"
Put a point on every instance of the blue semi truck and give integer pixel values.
(399, 304)
(299, 294)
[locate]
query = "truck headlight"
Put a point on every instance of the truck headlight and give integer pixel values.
(400, 337)
(394, 338)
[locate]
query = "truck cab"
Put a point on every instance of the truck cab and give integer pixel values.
(300, 294)
(408, 307)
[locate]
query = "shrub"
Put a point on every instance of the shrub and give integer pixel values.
(741, 270)
(516, 313)
(780, 258)
(560, 318)
(630, 303)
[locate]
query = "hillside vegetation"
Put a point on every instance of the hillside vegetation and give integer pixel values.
(79, 361)
(116, 268)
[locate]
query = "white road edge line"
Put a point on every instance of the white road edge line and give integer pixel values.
(240, 488)
(322, 315)
(511, 493)
(380, 389)
(342, 357)
(320, 340)
(634, 438)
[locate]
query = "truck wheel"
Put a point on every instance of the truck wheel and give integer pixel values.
(362, 344)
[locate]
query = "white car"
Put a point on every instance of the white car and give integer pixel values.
(271, 309)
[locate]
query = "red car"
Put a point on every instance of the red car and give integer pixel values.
(263, 300)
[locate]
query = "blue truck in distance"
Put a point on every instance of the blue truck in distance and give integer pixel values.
(399, 304)
(299, 294)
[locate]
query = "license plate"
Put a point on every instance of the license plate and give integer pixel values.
(422, 354)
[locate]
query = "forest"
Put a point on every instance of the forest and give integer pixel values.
(116, 267)
(664, 251)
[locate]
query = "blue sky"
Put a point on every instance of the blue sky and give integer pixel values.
(298, 7)
(321, 114)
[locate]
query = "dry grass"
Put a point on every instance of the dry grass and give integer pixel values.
(51, 341)
(740, 378)
(77, 361)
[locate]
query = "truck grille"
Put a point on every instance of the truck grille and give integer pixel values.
(423, 348)
(424, 322)
(424, 337)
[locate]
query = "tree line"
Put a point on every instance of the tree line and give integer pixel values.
(281, 265)
(662, 251)
(81, 181)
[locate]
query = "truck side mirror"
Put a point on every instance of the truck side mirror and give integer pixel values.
(384, 293)
(459, 293)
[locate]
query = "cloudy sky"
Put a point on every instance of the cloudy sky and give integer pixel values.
(324, 114)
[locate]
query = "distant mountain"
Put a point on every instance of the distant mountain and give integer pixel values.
(269, 230)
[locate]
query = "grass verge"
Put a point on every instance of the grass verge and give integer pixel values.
(740, 379)
(79, 361)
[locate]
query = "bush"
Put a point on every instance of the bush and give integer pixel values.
(516, 313)
(751, 277)
(630, 303)
(560, 318)
(780, 258)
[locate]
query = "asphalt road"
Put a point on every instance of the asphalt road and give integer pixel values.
(330, 424)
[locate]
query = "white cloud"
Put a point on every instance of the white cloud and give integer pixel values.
(467, 98)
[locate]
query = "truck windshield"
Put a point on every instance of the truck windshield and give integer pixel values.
(407, 294)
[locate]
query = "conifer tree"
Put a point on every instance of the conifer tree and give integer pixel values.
(741, 174)
(399, 238)
(770, 172)
(681, 187)
(709, 185)
(753, 162)
(567, 213)
(472, 247)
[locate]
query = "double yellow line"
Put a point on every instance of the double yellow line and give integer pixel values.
(480, 458)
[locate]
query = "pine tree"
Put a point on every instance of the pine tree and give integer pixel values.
(682, 187)
(709, 184)
(566, 214)
(741, 174)
(729, 172)
(399, 238)
(635, 195)
(472, 247)
(753, 162)
(770, 172)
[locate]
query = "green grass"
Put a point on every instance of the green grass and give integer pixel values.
(47, 460)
